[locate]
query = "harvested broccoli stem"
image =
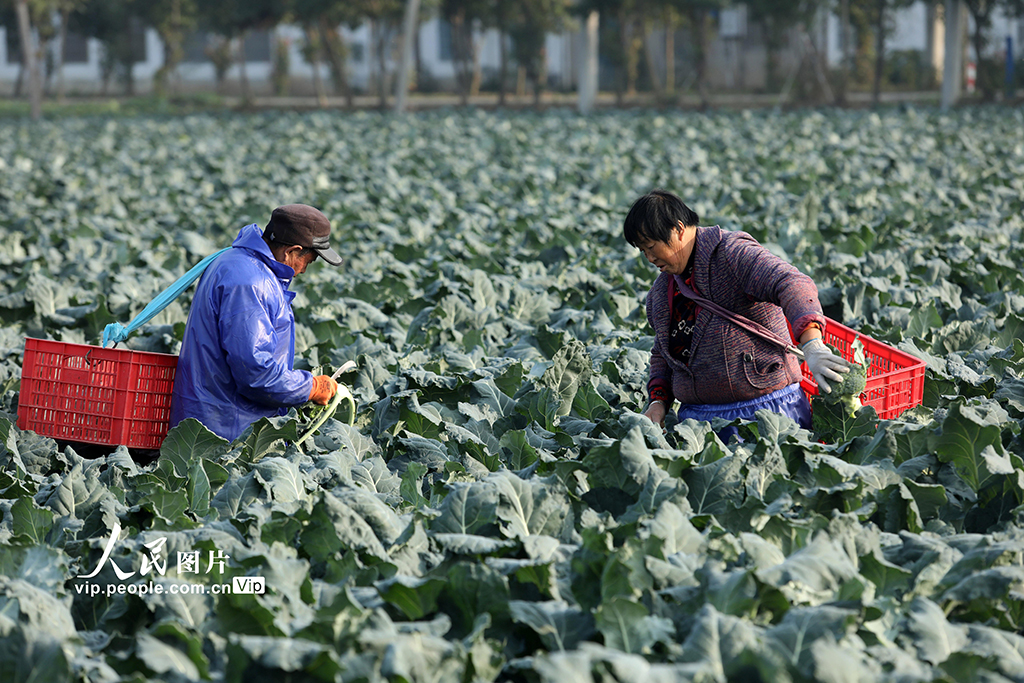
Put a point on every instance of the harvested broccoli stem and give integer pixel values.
(342, 394)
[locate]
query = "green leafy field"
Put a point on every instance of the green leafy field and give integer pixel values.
(500, 510)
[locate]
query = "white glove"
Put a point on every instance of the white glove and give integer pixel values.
(823, 364)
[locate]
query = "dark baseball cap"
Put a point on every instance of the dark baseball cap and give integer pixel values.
(305, 226)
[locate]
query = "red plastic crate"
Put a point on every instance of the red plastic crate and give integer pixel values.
(895, 379)
(89, 394)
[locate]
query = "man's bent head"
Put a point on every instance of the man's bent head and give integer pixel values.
(303, 226)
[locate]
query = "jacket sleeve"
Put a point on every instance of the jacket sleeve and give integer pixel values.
(766, 277)
(262, 373)
(659, 384)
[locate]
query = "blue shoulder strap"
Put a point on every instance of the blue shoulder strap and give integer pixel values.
(116, 332)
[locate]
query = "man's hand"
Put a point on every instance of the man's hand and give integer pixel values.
(324, 389)
(823, 364)
(656, 413)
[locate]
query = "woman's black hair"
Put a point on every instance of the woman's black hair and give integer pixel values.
(654, 216)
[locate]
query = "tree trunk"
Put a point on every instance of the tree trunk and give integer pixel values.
(460, 54)
(382, 60)
(477, 75)
(45, 70)
(243, 73)
(160, 77)
(952, 65)
(369, 56)
(649, 56)
(876, 93)
(981, 75)
(466, 57)
(220, 53)
(170, 37)
(174, 52)
(845, 36)
(670, 55)
(107, 66)
(372, 77)
(502, 68)
(631, 57)
(417, 55)
(62, 39)
(28, 59)
(771, 66)
(588, 64)
(177, 51)
(129, 76)
(318, 59)
(334, 52)
(981, 22)
(409, 24)
(929, 50)
(700, 26)
(818, 56)
(541, 78)
(620, 68)
(350, 92)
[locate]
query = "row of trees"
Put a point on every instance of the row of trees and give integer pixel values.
(865, 26)
(525, 22)
(627, 27)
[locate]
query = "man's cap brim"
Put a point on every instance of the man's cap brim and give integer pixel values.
(330, 256)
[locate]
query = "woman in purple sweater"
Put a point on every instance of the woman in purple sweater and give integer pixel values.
(712, 366)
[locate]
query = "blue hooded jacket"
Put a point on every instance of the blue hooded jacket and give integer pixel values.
(236, 359)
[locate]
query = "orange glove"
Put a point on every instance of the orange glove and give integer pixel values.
(324, 389)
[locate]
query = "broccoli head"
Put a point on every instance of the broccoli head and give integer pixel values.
(848, 390)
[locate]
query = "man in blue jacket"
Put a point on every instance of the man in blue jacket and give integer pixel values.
(236, 360)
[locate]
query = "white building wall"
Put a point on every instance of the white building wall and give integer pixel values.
(910, 29)
(4, 67)
(490, 51)
(89, 70)
(154, 56)
(910, 32)
(1003, 27)
(553, 45)
(295, 38)
(834, 40)
(558, 47)
(8, 69)
(87, 76)
(359, 65)
(430, 51)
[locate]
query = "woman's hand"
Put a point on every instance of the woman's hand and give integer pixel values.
(824, 365)
(656, 413)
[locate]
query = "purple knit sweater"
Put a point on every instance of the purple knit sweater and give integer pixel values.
(727, 363)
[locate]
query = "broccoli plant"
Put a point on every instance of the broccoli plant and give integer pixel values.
(839, 415)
